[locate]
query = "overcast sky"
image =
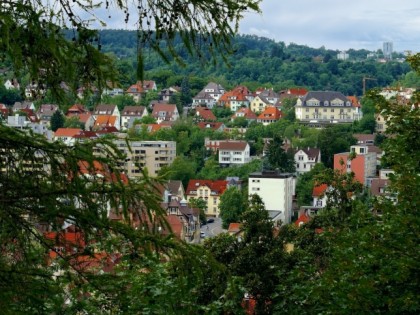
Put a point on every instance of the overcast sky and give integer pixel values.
(335, 24)
(338, 24)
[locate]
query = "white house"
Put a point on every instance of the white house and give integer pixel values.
(276, 191)
(234, 152)
(131, 113)
(306, 158)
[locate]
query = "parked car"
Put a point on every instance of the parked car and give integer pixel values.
(202, 234)
(210, 220)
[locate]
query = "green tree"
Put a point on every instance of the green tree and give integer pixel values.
(73, 122)
(278, 158)
(120, 100)
(332, 140)
(57, 120)
(201, 204)
(181, 169)
(231, 206)
(305, 184)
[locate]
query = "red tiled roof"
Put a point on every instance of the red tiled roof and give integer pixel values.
(106, 120)
(76, 109)
(233, 145)
(270, 113)
(176, 224)
(218, 186)
(234, 227)
(209, 125)
(67, 132)
(319, 190)
(303, 218)
(247, 113)
(205, 113)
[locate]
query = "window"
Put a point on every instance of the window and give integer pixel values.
(307, 116)
(332, 110)
(300, 157)
(325, 109)
(215, 201)
(304, 165)
(319, 203)
(255, 188)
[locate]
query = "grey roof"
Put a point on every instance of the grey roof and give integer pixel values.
(133, 110)
(323, 96)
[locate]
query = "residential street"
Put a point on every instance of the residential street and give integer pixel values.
(213, 229)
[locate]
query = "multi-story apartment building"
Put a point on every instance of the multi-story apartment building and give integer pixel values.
(359, 161)
(326, 107)
(208, 190)
(150, 155)
(276, 191)
(233, 152)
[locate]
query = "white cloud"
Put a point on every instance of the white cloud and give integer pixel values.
(338, 24)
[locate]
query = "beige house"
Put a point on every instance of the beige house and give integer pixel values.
(208, 190)
(259, 104)
(150, 155)
(381, 123)
(326, 107)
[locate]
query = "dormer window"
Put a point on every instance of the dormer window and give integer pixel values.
(326, 103)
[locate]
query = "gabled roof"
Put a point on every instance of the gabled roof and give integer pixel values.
(240, 93)
(76, 109)
(268, 93)
(319, 190)
(168, 109)
(141, 87)
(133, 111)
(270, 113)
(106, 120)
(84, 117)
(176, 224)
(244, 112)
(233, 145)
(303, 218)
(217, 186)
(205, 113)
(210, 125)
(234, 228)
(107, 108)
(67, 132)
(312, 153)
(47, 109)
(361, 137)
(323, 96)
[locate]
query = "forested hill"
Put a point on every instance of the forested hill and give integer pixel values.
(260, 61)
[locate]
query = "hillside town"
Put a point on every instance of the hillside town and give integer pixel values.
(225, 141)
(198, 157)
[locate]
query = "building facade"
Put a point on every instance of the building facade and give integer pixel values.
(208, 190)
(326, 107)
(276, 191)
(234, 152)
(359, 161)
(150, 155)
